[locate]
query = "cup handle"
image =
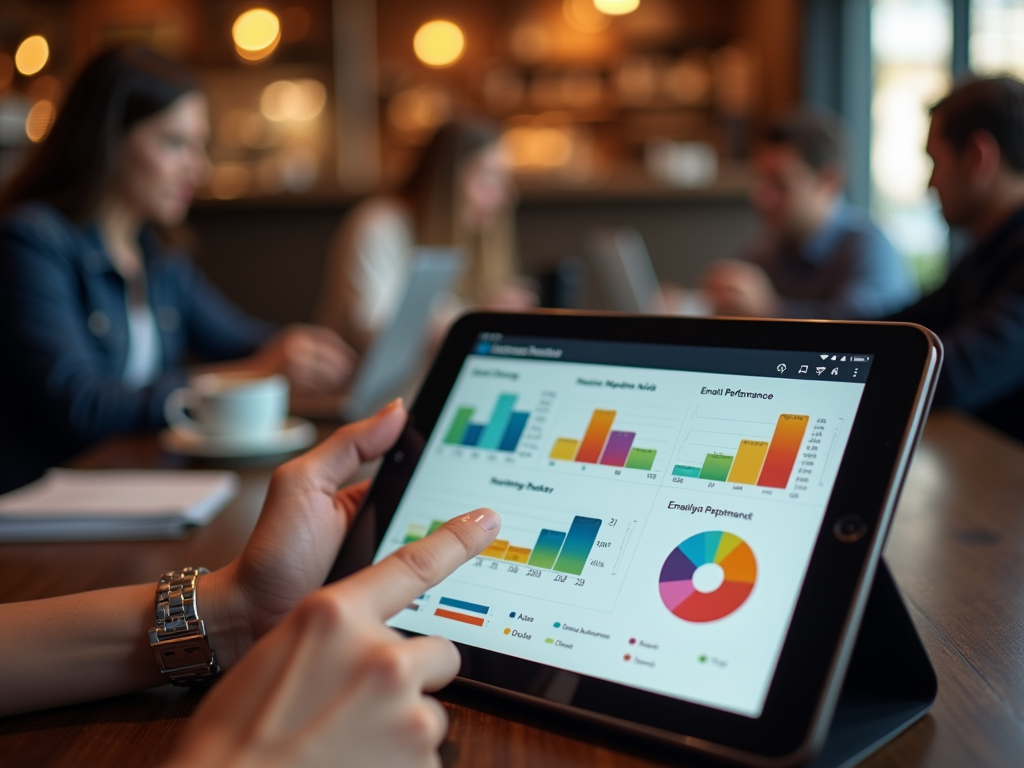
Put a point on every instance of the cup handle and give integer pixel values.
(175, 408)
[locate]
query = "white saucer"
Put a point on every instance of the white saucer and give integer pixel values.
(295, 435)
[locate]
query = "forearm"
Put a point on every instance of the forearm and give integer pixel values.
(93, 645)
(74, 648)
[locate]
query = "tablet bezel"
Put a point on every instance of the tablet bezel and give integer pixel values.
(895, 398)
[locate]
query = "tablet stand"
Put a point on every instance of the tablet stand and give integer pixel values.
(889, 684)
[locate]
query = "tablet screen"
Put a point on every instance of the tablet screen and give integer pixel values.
(660, 505)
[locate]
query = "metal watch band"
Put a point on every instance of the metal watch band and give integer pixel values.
(179, 639)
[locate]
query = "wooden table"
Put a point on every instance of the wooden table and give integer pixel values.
(957, 551)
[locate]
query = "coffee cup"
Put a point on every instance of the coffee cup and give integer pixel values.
(237, 406)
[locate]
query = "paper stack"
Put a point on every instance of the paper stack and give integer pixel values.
(116, 504)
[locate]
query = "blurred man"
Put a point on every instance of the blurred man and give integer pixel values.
(976, 142)
(819, 257)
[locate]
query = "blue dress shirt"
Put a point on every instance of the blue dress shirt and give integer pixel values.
(64, 338)
(847, 269)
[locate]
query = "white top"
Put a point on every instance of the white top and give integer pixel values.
(144, 361)
(367, 268)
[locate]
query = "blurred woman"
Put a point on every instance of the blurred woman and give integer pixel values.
(460, 194)
(97, 311)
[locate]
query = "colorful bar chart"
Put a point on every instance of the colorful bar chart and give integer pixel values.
(554, 550)
(603, 445)
(767, 463)
(501, 432)
(782, 453)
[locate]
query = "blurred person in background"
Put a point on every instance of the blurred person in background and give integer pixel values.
(976, 142)
(820, 257)
(97, 309)
(459, 194)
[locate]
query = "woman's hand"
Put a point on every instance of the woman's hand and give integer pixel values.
(331, 684)
(314, 358)
(304, 519)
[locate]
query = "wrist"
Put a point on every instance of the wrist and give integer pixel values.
(226, 615)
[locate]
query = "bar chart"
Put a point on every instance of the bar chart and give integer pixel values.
(501, 432)
(561, 551)
(601, 444)
(768, 463)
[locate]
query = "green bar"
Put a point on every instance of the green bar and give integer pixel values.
(716, 467)
(640, 458)
(578, 543)
(414, 532)
(434, 525)
(458, 427)
(681, 470)
(546, 549)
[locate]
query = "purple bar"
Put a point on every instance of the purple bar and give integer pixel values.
(617, 449)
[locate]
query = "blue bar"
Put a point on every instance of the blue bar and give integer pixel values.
(472, 435)
(474, 607)
(577, 546)
(491, 438)
(516, 425)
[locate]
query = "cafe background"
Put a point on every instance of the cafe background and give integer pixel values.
(614, 113)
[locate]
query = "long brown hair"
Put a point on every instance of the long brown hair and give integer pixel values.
(433, 194)
(73, 165)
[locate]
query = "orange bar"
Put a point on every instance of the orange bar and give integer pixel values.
(474, 620)
(517, 554)
(594, 439)
(496, 549)
(783, 450)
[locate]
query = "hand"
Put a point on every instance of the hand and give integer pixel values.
(314, 358)
(304, 519)
(332, 684)
(741, 289)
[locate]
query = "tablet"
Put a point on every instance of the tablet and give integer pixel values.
(693, 511)
(398, 350)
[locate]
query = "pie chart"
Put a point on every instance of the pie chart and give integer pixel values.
(695, 593)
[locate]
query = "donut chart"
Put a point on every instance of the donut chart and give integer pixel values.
(738, 565)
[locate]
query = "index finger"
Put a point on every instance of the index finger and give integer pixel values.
(387, 587)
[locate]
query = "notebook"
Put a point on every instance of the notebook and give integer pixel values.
(116, 504)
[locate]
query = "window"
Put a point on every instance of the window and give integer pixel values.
(911, 51)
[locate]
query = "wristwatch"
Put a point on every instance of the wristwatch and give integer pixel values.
(179, 639)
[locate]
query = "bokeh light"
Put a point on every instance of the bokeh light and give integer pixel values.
(39, 120)
(256, 34)
(616, 7)
(582, 16)
(301, 99)
(32, 55)
(439, 43)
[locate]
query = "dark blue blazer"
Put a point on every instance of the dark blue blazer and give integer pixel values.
(64, 338)
(979, 315)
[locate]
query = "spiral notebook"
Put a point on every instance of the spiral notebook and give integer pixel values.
(116, 504)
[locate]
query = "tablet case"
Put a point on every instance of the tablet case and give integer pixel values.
(890, 682)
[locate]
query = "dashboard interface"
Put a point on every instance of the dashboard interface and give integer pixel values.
(660, 505)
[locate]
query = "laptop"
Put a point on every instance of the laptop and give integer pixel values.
(399, 350)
